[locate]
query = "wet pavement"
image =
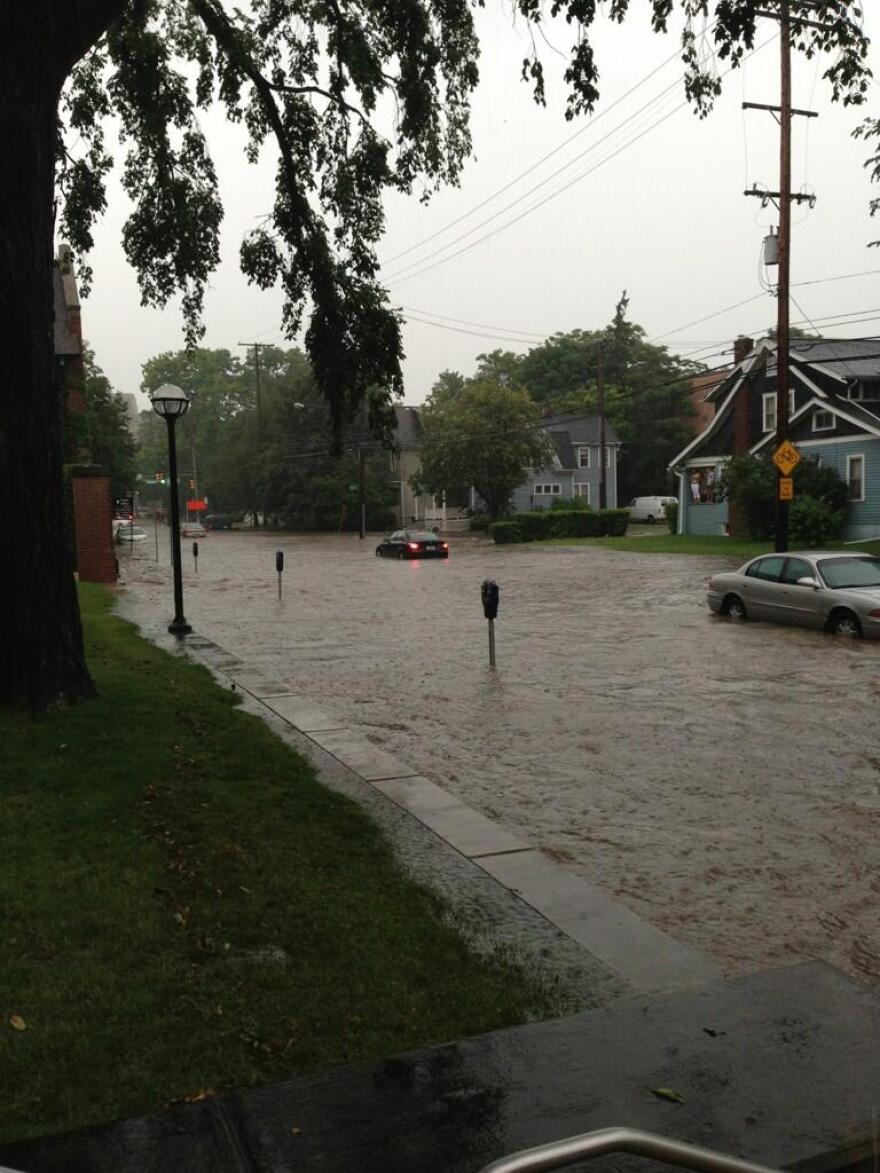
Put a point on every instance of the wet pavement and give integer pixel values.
(720, 780)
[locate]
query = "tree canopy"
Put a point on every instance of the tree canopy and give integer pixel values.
(486, 436)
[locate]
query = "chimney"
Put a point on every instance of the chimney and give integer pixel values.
(742, 346)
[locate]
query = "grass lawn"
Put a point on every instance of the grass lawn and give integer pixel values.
(664, 542)
(186, 908)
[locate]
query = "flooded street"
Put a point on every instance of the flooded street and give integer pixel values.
(721, 780)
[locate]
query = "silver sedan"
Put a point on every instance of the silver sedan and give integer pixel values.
(835, 591)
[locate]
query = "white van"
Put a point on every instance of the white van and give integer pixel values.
(649, 509)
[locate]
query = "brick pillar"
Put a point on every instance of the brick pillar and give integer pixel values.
(93, 516)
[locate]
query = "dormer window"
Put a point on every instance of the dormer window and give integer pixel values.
(823, 421)
(583, 457)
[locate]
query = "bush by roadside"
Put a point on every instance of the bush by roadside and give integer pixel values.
(672, 516)
(552, 524)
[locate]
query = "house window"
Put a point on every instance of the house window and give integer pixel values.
(823, 421)
(551, 490)
(855, 476)
(582, 489)
(768, 418)
(583, 457)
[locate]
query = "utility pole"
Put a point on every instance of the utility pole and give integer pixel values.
(362, 472)
(603, 450)
(783, 292)
(259, 404)
(783, 200)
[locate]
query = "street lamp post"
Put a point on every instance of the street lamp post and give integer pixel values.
(171, 403)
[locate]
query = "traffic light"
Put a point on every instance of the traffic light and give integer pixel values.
(192, 484)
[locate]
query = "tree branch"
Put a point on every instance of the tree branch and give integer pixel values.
(324, 93)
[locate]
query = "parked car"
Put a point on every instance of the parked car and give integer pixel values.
(192, 529)
(649, 509)
(130, 533)
(407, 543)
(220, 520)
(833, 590)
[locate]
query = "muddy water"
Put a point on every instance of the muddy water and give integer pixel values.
(722, 780)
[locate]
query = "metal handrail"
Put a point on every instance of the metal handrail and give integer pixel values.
(588, 1145)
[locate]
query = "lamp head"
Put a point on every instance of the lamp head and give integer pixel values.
(169, 401)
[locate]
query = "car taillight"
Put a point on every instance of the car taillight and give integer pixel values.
(413, 545)
(875, 614)
(711, 584)
(444, 545)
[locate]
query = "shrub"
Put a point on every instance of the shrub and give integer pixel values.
(479, 522)
(535, 524)
(504, 532)
(616, 522)
(570, 503)
(672, 516)
(813, 522)
(750, 481)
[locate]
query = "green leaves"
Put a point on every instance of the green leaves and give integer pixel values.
(488, 436)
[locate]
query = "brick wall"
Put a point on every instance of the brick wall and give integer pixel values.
(93, 514)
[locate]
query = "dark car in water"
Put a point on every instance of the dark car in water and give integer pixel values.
(408, 543)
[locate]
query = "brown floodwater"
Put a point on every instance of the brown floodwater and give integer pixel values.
(722, 780)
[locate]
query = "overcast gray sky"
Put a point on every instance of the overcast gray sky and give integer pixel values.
(654, 204)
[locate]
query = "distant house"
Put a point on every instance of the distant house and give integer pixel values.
(576, 468)
(834, 414)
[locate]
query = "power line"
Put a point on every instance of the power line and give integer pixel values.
(528, 211)
(528, 171)
(552, 195)
(553, 175)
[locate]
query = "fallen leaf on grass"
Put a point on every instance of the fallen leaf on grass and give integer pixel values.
(17, 1022)
(667, 1093)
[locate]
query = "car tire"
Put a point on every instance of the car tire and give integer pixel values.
(401, 554)
(378, 552)
(734, 608)
(650, 519)
(845, 623)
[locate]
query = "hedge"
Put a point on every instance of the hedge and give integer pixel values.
(504, 532)
(672, 516)
(541, 525)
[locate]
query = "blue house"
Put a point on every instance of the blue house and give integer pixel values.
(834, 414)
(576, 469)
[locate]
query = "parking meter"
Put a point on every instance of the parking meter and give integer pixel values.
(490, 594)
(279, 566)
(196, 556)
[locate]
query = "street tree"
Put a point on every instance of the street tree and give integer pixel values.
(647, 393)
(489, 437)
(317, 81)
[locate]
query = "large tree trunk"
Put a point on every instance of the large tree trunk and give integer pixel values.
(41, 651)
